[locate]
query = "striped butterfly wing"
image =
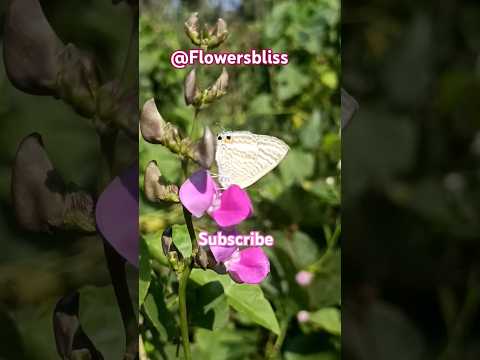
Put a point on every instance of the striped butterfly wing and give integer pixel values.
(243, 158)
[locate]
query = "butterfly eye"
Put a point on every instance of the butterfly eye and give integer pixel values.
(229, 137)
(219, 137)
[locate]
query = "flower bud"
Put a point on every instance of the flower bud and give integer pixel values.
(167, 240)
(153, 128)
(349, 108)
(218, 34)
(37, 188)
(118, 107)
(41, 199)
(154, 189)
(204, 150)
(303, 316)
(304, 278)
(71, 341)
(30, 48)
(204, 258)
(78, 80)
(218, 89)
(190, 87)
(191, 28)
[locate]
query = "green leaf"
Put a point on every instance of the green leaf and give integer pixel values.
(208, 306)
(291, 81)
(297, 166)
(157, 312)
(328, 319)
(305, 249)
(326, 290)
(154, 245)
(310, 134)
(244, 298)
(145, 274)
(181, 239)
(227, 344)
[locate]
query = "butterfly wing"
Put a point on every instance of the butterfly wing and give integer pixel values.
(243, 158)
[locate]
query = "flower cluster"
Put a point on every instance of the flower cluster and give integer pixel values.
(200, 194)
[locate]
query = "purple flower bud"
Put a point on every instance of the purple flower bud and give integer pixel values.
(204, 152)
(31, 48)
(218, 89)
(167, 240)
(117, 106)
(191, 28)
(71, 340)
(303, 316)
(153, 128)
(304, 278)
(37, 188)
(78, 80)
(190, 87)
(154, 188)
(218, 34)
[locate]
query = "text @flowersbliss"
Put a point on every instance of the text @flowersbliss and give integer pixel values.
(254, 238)
(182, 58)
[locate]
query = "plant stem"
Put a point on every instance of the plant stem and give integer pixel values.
(182, 303)
(275, 349)
(464, 319)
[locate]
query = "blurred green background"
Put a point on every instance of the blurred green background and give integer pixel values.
(299, 202)
(36, 270)
(411, 194)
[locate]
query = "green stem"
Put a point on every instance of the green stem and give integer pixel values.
(275, 349)
(316, 266)
(182, 303)
(464, 319)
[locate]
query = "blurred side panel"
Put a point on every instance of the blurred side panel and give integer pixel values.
(69, 179)
(411, 174)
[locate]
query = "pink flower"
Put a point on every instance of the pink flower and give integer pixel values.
(303, 316)
(200, 194)
(117, 214)
(304, 278)
(250, 265)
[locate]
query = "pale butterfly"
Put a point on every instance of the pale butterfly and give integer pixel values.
(243, 157)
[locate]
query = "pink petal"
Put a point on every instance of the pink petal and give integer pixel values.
(223, 253)
(249, 265)
(117, 214)
(235, 206)
(197, 192)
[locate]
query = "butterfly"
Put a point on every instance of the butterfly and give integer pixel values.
(243, 157)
